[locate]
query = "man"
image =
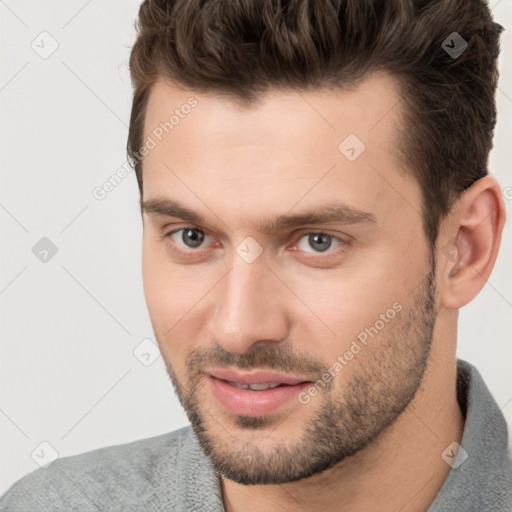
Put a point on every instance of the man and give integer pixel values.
(316, 209)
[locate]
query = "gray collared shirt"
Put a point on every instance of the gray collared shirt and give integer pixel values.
(171, 472)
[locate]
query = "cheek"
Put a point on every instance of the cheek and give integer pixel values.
(162, 292)
(156, 287)
(173, 294)
(347, 305)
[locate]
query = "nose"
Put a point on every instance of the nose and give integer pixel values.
(251, 307)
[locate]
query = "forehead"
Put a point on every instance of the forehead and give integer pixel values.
(370, 111)
(330, 140)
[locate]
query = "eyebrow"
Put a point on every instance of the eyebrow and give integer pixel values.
(328, 213)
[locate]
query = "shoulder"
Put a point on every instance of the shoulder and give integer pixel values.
(110, 478)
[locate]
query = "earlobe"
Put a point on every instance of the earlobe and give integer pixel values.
(471, 239)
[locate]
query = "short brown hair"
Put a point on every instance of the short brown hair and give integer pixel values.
(241, 49)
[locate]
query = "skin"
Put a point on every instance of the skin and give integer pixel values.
(393, 408)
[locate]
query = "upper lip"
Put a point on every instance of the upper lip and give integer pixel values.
(255, 377)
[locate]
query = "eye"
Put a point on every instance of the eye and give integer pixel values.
(320, 242)
(191, 238)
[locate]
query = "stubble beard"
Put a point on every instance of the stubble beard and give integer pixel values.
(380, 387)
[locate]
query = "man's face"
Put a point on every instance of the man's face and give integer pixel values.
(338, 313)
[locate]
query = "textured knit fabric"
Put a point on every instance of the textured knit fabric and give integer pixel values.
(170, 472)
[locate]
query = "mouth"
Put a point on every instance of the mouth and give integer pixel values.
(254, 393)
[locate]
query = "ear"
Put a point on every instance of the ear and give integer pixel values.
(469, 241)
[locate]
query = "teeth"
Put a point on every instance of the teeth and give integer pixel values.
(256, 387)
(261, 387)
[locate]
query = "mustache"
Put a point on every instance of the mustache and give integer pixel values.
(271, 357)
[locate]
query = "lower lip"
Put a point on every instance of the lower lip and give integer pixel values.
(246, 402)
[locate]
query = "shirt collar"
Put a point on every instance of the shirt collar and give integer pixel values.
(483, 481)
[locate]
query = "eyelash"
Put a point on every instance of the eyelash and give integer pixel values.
(329, 251)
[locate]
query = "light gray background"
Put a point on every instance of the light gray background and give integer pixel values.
(69, 326)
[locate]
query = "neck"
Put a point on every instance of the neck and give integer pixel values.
(403, 468)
